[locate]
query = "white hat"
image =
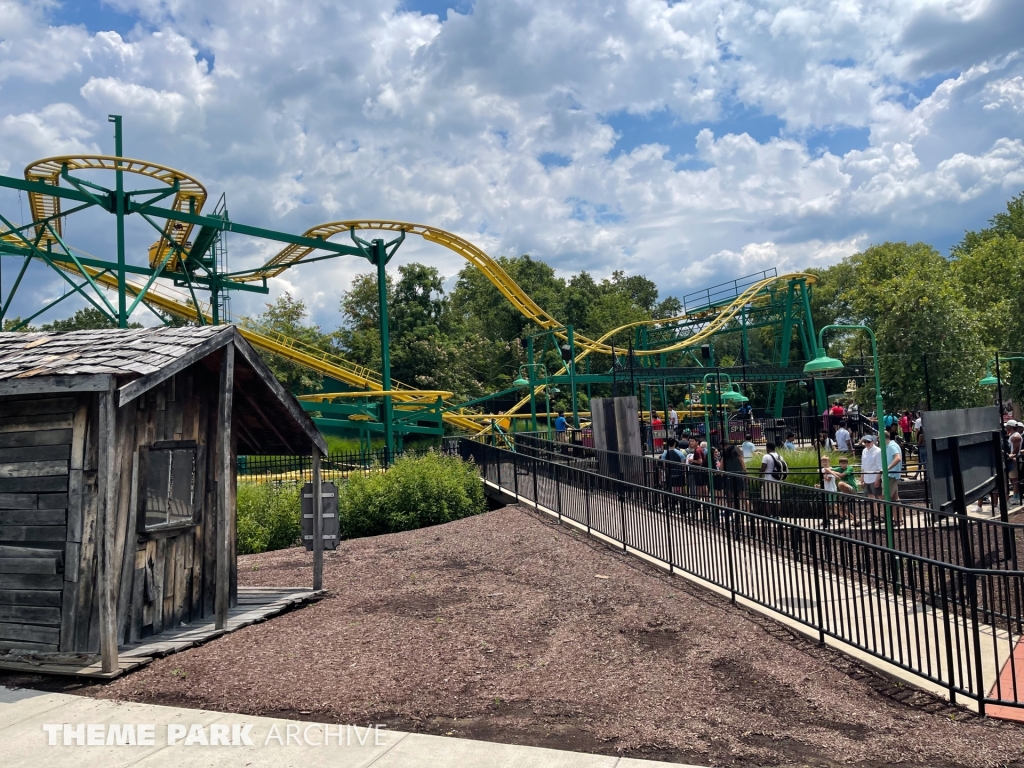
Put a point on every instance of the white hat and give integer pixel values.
(868, 439)
(1012, 423)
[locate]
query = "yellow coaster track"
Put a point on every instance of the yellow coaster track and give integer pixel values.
(188, 198)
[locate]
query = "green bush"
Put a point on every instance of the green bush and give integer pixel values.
(268, 516)
(414, 493)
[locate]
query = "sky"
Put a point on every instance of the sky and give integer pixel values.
(693, 141)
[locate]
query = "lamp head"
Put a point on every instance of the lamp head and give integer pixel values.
(989, 381)
(823, 365)
(520, 383)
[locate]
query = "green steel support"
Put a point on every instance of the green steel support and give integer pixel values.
(819, 384)
(572, 376)
(787, 336)
(119, 200)
(379, 257)
(533, 386)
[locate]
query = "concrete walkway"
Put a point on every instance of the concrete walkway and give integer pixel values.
(34, 727)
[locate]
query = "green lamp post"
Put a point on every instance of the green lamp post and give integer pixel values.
(526, 381)
(823, 366)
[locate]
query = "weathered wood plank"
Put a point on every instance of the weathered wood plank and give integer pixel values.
(76, 499)
(29, 597)
(19, 500)
(34, 468)
(129, 551)
(38, 453)
(35, 385)
(32, 532)
(72, 556)
(179, 579)
(69, 614)
(51, 484)
(135, 623)
(29, 614)
(31, 581)
(35, 438)
(27, 565)
(19, 645)
(36, 423)
(225, 471)
(80, 430)
(159, 580)
(109, 567)
(7, 550)
(36, 406)
(30, 633)
(86, 567)
(32, 516)
(53, 501)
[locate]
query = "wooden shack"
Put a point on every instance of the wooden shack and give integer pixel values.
(117, 480)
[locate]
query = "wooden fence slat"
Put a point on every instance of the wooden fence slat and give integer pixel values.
(41, 437)
(29, 597)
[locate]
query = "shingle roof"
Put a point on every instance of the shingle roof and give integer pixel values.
(115, 351)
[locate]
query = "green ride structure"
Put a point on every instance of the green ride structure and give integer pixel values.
(185, 275)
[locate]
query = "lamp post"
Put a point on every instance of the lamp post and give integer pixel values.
(997, 380)
(720, 399)
(822, 366)
(526, 380)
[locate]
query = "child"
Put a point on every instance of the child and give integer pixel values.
(828, 477)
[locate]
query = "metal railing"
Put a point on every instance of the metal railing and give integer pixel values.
(946, 537)
(933, 619)
(334, 467)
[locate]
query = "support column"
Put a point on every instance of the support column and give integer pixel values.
(531, 376)
(318, 522)
(120, 211)
(379, 254)
(107, 482)
(572, 378)
(787, 338)
(224, 475)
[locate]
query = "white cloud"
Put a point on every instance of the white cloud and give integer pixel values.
(312, 110)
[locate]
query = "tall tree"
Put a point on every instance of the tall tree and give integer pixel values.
(284, 318)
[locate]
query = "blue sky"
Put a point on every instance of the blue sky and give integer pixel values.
(697, 140)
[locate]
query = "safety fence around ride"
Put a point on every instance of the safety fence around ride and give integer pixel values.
(334, 467)
(972, 542)
(956, 630)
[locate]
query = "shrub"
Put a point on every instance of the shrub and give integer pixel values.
(268, 516)
(414, 493)
(803, 465)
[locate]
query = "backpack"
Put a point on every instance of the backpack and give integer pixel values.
(780, 470)
(673, 455)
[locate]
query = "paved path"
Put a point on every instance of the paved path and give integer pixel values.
(25, 741)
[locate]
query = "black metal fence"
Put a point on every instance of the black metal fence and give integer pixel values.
(953, 626)
(946, 537)
(334, 467)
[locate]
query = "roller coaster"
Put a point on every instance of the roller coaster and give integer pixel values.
(189, 257)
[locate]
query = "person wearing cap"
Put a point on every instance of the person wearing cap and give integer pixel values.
(871, 468)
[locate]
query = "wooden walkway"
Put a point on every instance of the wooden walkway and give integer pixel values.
(255, 604)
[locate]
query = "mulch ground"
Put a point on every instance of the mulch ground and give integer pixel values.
(508, 628)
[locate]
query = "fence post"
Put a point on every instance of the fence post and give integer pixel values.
(730, 543)
(976, 631)
(817, 588)
(621, 493)
(949, 641)
(515, 473)
(536, 496)
(667, 504)
(587, 484)
(558, 492)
